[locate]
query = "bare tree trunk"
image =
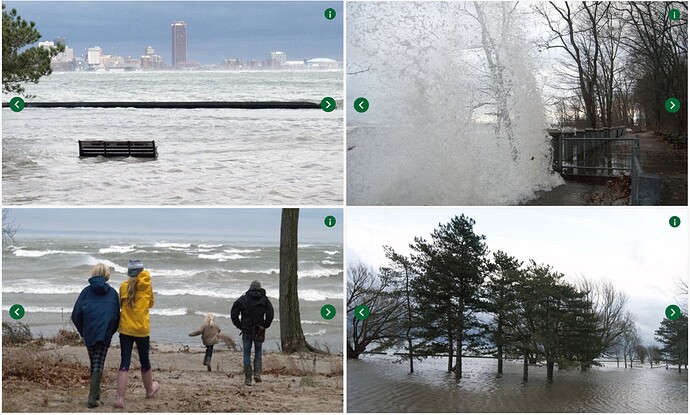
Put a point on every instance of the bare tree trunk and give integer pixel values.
(500, 345)
(291, 335)
(525, 365)
(450, 351)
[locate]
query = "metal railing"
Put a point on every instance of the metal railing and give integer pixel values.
(645, 188)
(592, 152)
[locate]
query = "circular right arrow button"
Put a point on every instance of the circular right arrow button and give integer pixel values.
(672, 105)
(361, 104)
(328, 104)
(672, 312)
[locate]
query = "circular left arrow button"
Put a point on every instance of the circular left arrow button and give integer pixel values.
(17, 104)
(17, 311)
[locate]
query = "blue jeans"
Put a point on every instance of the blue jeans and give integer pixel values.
(126, 345)
(247, 349)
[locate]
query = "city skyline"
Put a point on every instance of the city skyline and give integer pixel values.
(217, 30)
(179, 43)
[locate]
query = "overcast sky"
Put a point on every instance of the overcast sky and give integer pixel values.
(215, 30)
(635, 248)
(231, 224)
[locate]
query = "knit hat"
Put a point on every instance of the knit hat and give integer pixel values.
(134, 267)
(255, 285)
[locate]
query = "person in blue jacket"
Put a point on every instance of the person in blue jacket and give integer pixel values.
(96, 315)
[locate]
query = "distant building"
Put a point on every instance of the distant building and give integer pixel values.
(151, 60)
(231, 64)
(179, 43)
(93, 56)
(276, 59)
(63, 61)
(46, 45)
(322, 63)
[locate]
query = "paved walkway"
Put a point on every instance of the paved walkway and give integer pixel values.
(657, 156)
(660, 157)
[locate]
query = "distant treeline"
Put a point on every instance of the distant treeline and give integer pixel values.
(450, 297)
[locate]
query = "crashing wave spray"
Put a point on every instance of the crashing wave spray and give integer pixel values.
(456, 115)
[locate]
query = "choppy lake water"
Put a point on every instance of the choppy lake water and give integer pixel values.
(190, 278)
(211, 157)
(377, 384)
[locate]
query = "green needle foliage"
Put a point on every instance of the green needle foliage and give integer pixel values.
(673, 334)
(19, 63)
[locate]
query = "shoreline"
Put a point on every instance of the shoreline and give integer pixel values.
(42, 376)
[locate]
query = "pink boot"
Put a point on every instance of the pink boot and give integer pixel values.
(150, 385)
(121, 388)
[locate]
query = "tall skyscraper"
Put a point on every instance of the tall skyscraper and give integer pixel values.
(179, 43)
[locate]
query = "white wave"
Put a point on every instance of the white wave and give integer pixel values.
(311, 322)
(310, 294)
(210, 245)
(304, 246)
(117, 249)
(327, 262)
(171, 272)
(31, 309)
(241, 251)
(168, 311)
(200, 292)
(34, 254)
(318, 333)
(257, 271)
(331, 252)
(171, 245)
(44, 289)
(118, 268)
(203, 313)
(221, 257)
(318, 273)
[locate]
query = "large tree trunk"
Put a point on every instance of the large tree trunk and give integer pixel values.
(291, 335)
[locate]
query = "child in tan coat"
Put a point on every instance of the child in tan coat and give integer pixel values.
(210, 336)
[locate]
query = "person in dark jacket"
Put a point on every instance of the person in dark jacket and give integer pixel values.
(252, 313)
(96, 315)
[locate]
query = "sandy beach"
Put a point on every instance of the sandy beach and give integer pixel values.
(46, 377)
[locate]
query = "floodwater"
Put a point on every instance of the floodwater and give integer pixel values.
(205, 157)
(379, 384)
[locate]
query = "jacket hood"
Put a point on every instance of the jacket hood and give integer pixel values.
(99, 285)
(255, 293)
(144, 280)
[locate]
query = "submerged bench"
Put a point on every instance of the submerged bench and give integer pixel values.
(118, 149)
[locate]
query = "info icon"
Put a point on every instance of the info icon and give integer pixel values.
(329, 221)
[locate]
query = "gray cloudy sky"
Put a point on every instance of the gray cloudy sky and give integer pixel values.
(215, 30)
(233, 224)
(635, 248)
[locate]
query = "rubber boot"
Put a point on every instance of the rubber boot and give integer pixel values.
(248, 375)
(121, 388)
(94, 389)
(257, 372)
(150, 385)
(207, 363)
